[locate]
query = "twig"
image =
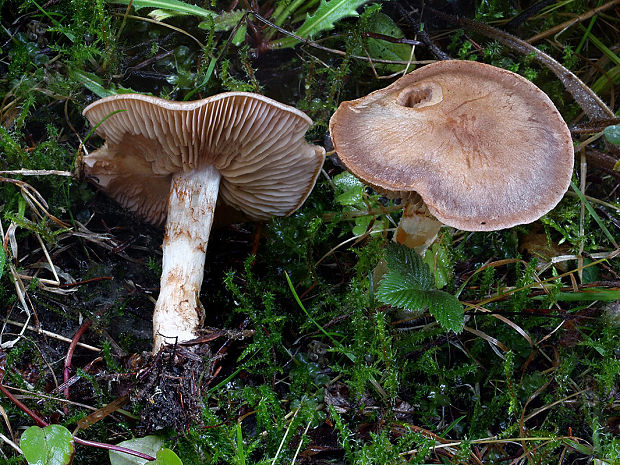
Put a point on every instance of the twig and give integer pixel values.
(26, 172)
(42, 423)
(66, 373)
(11, 443)
(589, 102)
(327, 49)
(53, 335)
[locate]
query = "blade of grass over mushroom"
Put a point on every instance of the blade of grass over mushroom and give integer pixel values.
(320, 328)
(594, 215)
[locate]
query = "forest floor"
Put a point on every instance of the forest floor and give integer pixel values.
(301, 361)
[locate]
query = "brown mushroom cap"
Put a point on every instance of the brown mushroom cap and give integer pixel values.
(256, 143)
(484, 147)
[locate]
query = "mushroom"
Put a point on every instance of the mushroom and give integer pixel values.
(168, 160)
(467, 145)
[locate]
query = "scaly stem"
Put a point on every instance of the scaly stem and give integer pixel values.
(191, 204)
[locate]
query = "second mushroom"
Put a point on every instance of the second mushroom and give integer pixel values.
(467, 144)
(169, 161)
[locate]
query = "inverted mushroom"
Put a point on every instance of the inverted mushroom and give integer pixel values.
(469, 145)
(168, 160)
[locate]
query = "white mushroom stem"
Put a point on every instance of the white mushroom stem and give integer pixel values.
(418, 228)
(191, 205)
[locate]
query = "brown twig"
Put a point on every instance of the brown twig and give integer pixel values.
(86, 281)
(327, 49)
(42, 423)
(67, 368)
(589, 102)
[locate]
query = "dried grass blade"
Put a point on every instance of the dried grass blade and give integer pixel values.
(490, 339)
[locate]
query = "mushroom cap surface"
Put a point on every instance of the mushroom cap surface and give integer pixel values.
(267, 168)
(484, 147)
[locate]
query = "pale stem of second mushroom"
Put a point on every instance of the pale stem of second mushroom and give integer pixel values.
(191, 205)
(418, 227)
(417, 230)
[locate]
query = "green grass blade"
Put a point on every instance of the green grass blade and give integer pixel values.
(172, 5)
(594, 214)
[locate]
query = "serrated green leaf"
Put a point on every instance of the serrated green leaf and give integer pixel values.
(52, 445)
(612, 134)
(175, 6)
(149, 445)
(323, 19)
(447, 310)
(410, 266)
(395, 290)
(409, 284)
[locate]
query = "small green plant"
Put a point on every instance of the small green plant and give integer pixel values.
(323, 19)
(55, 445)
(409, 284)
(362, 207)
(612, 134)
(51, 445)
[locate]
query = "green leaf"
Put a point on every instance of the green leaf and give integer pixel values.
(438, 259)
(323, 19)
(361, 225)
(150, 445)
(381, 23)
(351, 189)
(409, 284)
(175, 6)
(612, 134)
(410, 266)
(52, 445)
(351, 197)
(447, 310)
(162, 15)
(166, 457)
(95, 84)
(224, 21)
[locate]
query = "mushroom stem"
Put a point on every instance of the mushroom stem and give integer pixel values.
(191, 205)
(418, 228)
